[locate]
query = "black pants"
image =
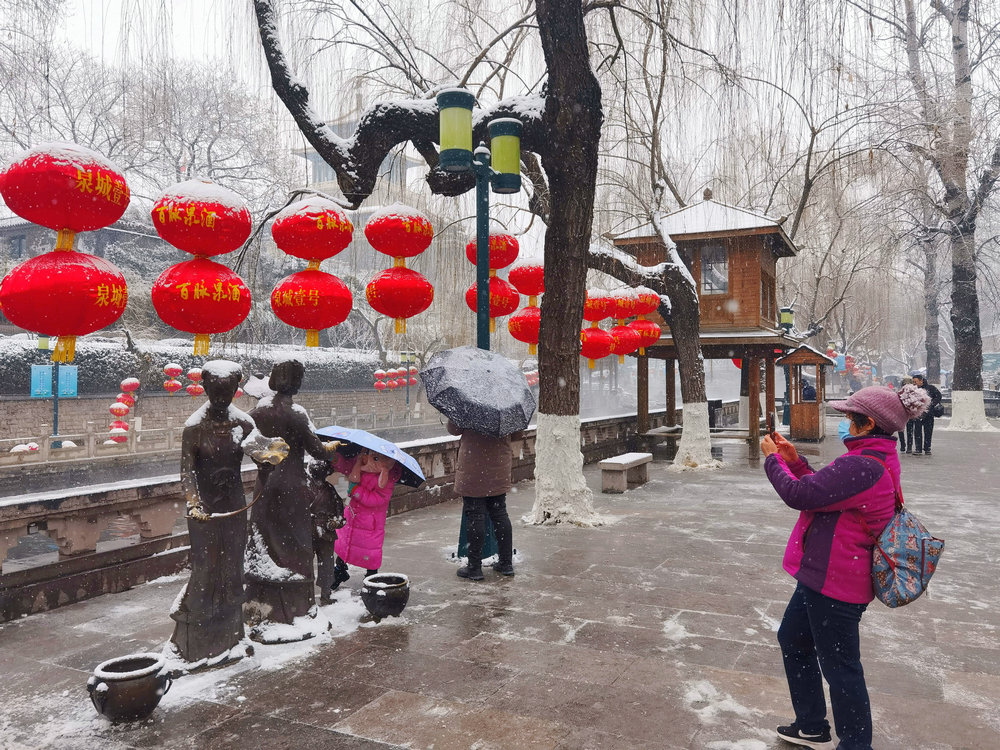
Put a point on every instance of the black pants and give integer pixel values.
(923, 428)
(819, 638)
(476, 509)
(907, 443)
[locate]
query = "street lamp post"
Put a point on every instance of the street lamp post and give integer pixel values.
(499, 168)
(786, 323)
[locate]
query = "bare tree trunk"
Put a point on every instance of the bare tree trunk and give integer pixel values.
(932, 310)
(573, 117)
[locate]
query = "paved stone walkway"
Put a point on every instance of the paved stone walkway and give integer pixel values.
(654, 631)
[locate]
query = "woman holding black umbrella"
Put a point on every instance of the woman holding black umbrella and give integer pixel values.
(482, 477)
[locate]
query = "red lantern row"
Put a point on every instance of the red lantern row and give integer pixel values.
(528, 277)
(399, 292)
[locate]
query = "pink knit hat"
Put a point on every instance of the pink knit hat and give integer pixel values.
(890, 409)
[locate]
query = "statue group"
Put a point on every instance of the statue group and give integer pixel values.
(257, 574)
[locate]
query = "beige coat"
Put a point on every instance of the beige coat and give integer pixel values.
(484, 463)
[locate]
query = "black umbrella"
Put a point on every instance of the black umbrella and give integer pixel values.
(478, 390)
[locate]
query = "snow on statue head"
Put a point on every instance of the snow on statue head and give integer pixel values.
(286, 377)
(221, 378)
(370, 462)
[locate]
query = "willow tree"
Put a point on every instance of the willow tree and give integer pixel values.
(562, 127)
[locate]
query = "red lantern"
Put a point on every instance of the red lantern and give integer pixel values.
(379, 374)
(194, 374)
(64, 187)
(313, 229)
(201, 218)
(202, 297)
(172, 370)
(649, 333)
(597, 306)
(648, 301)
(625, 302)
(413, 370)
(119, 425)
(528, 277)
(392, 385)
(594, 344)
(126, 398)
(399, 231)
(399, 293)
(413, 381)
(503, 250)
(524, 327)
(624, 340)
(119, 409)
(380, 386)
(171, 386)
(195, 389)
(503, 299)
(129, 385)
(118, 435)
(66, 294)
(311, 300)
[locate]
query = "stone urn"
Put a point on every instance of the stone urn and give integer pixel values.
(385, 594)
(128, 688)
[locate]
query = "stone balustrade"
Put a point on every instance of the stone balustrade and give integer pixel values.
(76, 518)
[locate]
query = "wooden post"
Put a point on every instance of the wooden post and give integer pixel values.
(642, 393)
(671, 393)
(769, 386)
(753, 379)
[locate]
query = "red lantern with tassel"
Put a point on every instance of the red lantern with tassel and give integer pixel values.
(171, 386)
(201, 218)
(172, 370)
(130, 385)
(624, 340)
(503, 299)
(126, 398)
(649, 332)
(119, 410)
(66, 294)
(312, 300)
(313, 229)
(595, 343)
(503, 250)
(399, 293)
(524, 327)
(597, 306)
(195, 389)
(202, 297)
(380, 386)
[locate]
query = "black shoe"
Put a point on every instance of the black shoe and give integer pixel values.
(339, 576)
(796, 736)
(472, 573)
(909, 450)
(927, 452)
(504, 569)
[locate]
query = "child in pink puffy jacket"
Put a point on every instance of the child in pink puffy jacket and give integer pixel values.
(371, 478)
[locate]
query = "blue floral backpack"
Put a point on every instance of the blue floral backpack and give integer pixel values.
(905, 554)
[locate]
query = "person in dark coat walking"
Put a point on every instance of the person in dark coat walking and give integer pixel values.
(482, 477)
(923, 428)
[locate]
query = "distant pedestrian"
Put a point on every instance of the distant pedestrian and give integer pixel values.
(906, 439)
(830, 554)
(923, 428)
(482, 477)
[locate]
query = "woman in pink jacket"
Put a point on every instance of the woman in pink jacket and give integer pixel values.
(371, 478)
(830, 554)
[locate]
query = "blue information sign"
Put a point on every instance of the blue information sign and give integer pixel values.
(67, 381)
(41, 381)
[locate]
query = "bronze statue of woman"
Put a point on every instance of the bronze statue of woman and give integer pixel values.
(209, 611)
(279, 567)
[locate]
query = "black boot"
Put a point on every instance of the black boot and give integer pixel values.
(340, 575)
(504, 569)
(473, 573)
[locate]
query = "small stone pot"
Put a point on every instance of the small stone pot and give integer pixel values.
(128, 688)
(385, 594)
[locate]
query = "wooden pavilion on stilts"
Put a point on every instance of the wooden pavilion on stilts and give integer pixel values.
(732, 255)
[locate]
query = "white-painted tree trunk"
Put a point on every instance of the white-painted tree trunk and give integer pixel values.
(561, 494)
(695, 448)
(968, 412)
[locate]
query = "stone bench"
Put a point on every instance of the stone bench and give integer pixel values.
(627, 470)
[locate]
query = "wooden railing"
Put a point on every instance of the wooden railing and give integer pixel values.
(76, 519)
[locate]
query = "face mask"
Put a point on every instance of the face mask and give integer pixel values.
(844, 429)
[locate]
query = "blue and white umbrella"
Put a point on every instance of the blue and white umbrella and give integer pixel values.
(412, 475)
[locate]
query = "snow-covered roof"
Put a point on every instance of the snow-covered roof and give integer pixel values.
(707, 217)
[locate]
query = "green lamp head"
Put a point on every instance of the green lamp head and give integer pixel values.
(787, 318)
(455, 118)
(505, 147)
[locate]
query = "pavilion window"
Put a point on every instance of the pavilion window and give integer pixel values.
(714, 270)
